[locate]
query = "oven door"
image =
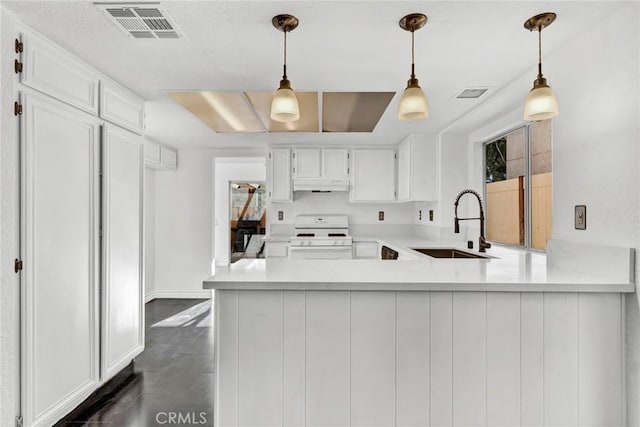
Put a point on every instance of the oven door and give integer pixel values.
(320, 252)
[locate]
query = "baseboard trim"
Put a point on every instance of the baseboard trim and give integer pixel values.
(183, 294)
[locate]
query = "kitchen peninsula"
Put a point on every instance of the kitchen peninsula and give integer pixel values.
(517, 339)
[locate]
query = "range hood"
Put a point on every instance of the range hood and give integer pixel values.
(321, 184)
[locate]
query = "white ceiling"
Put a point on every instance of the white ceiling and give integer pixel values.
(339, 46)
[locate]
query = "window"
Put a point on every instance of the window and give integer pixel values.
(518, 176)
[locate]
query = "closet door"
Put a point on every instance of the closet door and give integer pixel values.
(122, 249)
(60, 342)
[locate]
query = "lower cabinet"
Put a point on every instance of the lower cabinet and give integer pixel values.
(65, 354)
(122, 243)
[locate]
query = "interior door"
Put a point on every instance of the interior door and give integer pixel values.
(59, 150)
(122, 249)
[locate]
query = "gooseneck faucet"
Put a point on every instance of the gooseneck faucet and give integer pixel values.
(482, 242)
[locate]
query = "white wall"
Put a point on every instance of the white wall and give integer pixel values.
(150, 233)
(184, 222)
(229, 169)
(595, 146)
(9, 229)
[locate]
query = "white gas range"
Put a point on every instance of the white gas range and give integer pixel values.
(321, 237)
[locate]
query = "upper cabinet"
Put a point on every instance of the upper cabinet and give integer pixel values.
(417, 170)
(51, 70)
(279, 175)
(373, 175)
(307, 163)
(119, 106)
(335, 163)
(158, 156)
(320, 163)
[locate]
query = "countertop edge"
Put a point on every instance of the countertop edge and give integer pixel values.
(408, 287)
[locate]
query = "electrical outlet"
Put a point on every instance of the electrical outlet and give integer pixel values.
(431, 215)
(381, 216)
(580, 221)
(420, 215)
(280, 216)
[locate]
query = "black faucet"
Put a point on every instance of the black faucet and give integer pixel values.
(482, 242)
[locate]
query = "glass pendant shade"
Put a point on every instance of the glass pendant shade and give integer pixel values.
(413, 104)
(541, 103)
(284, 106)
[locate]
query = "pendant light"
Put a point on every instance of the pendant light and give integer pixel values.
(413, 104)
(284, 106)
(541, 103)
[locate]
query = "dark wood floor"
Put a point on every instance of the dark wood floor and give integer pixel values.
(173, 377)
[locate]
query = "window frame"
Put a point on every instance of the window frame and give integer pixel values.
(527, 181)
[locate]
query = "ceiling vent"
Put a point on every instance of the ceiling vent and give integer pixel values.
(141, 21)
(472, 93)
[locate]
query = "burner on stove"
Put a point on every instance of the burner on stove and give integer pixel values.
(305, 235)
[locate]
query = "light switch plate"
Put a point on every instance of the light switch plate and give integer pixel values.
(381, 216)
(580, 217)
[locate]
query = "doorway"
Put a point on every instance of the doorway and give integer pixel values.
(247, 219)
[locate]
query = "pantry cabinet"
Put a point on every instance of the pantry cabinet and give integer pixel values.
(279, 175)
(373, 175)
(417, 170)
(122, 299)
(119, 106)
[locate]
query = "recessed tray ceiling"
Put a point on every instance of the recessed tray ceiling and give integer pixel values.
(249, 112)
(353, 111)
(224, 112)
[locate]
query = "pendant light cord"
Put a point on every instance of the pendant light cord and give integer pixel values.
(284, 74)
(413, 65)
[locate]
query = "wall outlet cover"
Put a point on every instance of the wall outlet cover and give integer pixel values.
(381, 216)
(431, 215)
(580, 221)
(280, 215)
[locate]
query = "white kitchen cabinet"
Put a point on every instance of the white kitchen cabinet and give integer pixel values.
(159, 157)
(365, 250)
(320, 163)
(276, 249)
(122, 249)
(51, 70)
(119, 106)
(60, 148)
(306, 162)
(417, 170)
(335, 163)
(373, 175)
(279, 175)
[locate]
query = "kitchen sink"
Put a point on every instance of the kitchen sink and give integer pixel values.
(448, 253)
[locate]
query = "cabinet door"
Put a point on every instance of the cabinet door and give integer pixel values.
(404, 171)
(279, 183)
(168, 158)
(373, 175)
(122, 255)
(277, 249)
(121, 107)
(335, 163)
(151, 154)
(60, 208)
(51, 70)
(306, 162)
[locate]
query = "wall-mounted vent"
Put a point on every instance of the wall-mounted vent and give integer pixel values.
(142, 21)
(472, 93)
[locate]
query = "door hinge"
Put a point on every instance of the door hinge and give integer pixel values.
(17, 265)
(17, 66)
(294, 154)
(19, 46)
(17, 109)
(269, 155)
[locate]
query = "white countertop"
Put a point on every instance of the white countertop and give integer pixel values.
(511, 269)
